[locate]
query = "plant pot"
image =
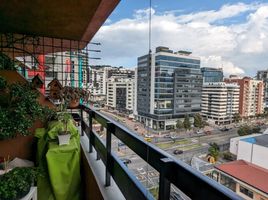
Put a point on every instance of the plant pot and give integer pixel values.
(74, 103)
(64, 139)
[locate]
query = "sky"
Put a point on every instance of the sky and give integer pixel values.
(232, 34)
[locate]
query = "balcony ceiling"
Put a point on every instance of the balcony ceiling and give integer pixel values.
(66, 19)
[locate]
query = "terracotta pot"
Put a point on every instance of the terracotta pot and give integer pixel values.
(74, 103)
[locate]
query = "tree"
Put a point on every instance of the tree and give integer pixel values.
(198, 121)
(187, 123)
(237, 117)
(179, 124)
(214, 150)
(247, 130)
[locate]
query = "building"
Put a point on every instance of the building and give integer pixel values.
(263, 76)
(254, 149)
(98, 76)
(168, 87)
(246, 179)
(220, 101)
(235, 141)
(120, 94)
(212, 74)
(250, 96)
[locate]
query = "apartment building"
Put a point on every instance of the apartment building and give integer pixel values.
(98, 76)
(212, 74)
(263, 76)
(120, 94)
(250, 96)
(169, 86)
(220, 101)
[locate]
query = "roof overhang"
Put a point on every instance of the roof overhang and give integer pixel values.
(77, 20)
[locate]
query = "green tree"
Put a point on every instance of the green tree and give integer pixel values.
(244, 130)
(198, 121)
(237, 117)
(187, 123)
(179, 124)
(214, 150)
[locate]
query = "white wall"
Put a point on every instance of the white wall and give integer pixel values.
(260, 156)
(244, 152)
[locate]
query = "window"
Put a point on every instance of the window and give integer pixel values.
(246, 191)
(228, 182)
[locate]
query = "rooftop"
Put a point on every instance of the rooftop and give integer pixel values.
(261, 140)
(246, 172)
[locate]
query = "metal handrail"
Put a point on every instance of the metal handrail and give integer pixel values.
(191, 182)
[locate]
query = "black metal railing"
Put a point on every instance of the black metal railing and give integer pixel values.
(191, 182)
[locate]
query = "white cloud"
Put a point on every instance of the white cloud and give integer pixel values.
(219, 62)
(225, 11)
(237, 47)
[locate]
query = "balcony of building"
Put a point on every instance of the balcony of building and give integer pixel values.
(49, 29)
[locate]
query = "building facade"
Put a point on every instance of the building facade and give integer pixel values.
(212, 74)
(250, 96)
(120, 93)
(263, 76)
(220, 101)
(98, 77)
(169, 86)
(246, 179)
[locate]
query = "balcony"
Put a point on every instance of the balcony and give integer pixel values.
(171, 171)
(104, 175)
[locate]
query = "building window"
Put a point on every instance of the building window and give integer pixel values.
(228, 182)
(246, 191)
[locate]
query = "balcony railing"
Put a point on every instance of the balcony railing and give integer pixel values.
(191, 182)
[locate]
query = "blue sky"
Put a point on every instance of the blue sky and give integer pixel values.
(229, 34)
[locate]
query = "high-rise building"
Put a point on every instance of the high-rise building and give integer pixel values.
(169, 86)
(263, 75)
(120, 94)
(212, 74)
(220, 101)
(98, 76)
(250, 95)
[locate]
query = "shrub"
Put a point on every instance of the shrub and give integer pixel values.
(17, 183)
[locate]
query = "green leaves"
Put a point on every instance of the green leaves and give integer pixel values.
(214, 150)
(16, 183)
(198, 121)
(187, 123)
(247, 130)
(19, 110)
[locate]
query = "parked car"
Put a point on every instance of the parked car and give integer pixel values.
(225, 129)
(126, 161)
(177, 151)
(208, 132)
(199, 132)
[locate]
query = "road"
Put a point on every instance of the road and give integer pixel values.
(191, 144)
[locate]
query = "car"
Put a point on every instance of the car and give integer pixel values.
(126, 161)
(208, 132)
(177, 151)
(225, 129)
(148, 139)
(199, 132)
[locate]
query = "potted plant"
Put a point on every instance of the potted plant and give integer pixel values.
(16, 183)
(73, 95)
(64, 135)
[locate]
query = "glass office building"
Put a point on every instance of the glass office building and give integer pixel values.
(211, 75)
(168, 87)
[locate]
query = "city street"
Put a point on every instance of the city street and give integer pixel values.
(190, 143)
